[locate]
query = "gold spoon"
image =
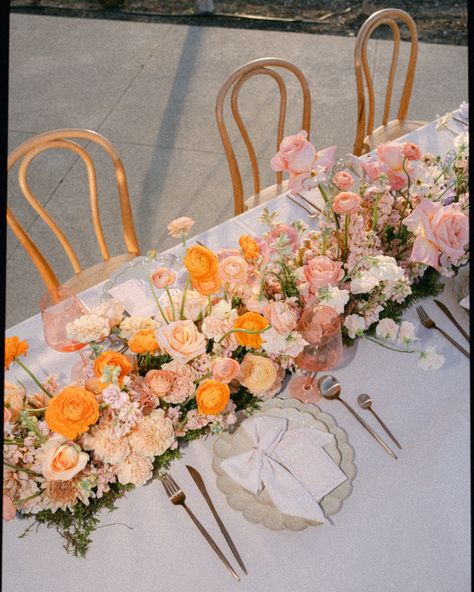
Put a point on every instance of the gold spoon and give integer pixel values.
(366, 403)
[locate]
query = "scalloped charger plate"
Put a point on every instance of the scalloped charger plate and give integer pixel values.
(259, 509)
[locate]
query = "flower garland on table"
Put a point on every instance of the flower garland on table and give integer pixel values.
(223, 341)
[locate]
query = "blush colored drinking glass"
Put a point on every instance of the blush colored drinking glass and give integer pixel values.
(60, 306)
(321, 327)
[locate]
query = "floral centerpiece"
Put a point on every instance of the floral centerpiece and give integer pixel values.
(224, 340)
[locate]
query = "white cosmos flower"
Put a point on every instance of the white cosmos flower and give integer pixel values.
(334, 298)
(406, 333)
(385, 268)
(387, 329)
(87, 328)
(430, 359)
(363, 282)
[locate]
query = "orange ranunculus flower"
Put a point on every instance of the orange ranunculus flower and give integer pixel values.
(212, 397)
(251, 321)
(111, 358)
(72, 412)
(206, 286)
(201, 262)
(143, 341)
(13, 349)
(249, 247)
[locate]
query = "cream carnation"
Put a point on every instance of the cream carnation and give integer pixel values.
(131, 325)
(87, 328)
(107, 447)
(135, 469)
(111, 309)
(153, 435)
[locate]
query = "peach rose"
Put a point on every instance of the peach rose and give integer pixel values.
(143, 341)
(258, 374)
(180, 227)
(281, 317)
(233, 270)
(296, 155)
(322, 271)
(163, 277)
(346, 202)
(201, 262)
(343, 180)
(181, 340)
(111, 358)
(249, 247)
(438, 229)
(14, 399)
(411, 151)
(225, 369)
(72, 412)
(250, 321)
(62, 459)
(13, 349)
(159, 381)
(9, 510)
(207, 285)
(212, 397)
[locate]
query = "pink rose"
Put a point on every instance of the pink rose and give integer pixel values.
(291, 234)
(163, 277)
(225, 369)
(234, 270)
(346, 202)
(159, 381)
(411, 151)
(180, 227)
(296, 155)
(181, 340)
(322, 271)
(438, 229)
(9, 510)
(281, 317)
(343, 180)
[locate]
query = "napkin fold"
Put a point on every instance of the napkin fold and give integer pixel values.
(133, 295)
(465, 302)
(291, 464)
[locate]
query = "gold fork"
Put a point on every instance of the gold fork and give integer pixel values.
(430, 324)
(177, 497)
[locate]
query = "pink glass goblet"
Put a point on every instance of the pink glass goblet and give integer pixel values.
(320, 326)
(60, 306)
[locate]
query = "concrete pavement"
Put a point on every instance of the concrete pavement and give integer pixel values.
(150, 89)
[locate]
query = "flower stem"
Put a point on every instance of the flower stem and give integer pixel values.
(209, 303)
(183, 299)
(247, 331)
(21, 469)
(402, 351)
(326, 201)
(36, 381)
(171, 302)
(156, 299)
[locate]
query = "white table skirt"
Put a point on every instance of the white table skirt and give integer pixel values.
(405, 527)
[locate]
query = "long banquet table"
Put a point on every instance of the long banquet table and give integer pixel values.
(404, 528)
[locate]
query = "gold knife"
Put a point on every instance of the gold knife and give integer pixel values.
(448, 313)
(202, 488)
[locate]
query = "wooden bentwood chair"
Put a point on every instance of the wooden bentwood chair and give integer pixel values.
(236, 80)
(366, 137)
(83, 278)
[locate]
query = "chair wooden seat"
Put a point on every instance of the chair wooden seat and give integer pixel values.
(63, 139)
(265, 67)
(390, 131)
(367, 138)
(266, 194)
(97, 273)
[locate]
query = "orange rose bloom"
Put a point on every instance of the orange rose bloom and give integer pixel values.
(13, 349)
(206, 286)
(251, 321)
(72, 411)
(111, 358)
(249, 247)
(201, 262)
(212, 397)
(143, 341)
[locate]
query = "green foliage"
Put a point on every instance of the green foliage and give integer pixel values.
(149, 361)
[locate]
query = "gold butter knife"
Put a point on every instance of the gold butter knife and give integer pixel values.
(448, 313)
(202, 488)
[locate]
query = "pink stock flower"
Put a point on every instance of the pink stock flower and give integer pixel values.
(343, 180)
(163, 277)
(293, 239)
(322, 271)
(346, 202)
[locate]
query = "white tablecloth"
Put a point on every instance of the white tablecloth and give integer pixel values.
(405, 528)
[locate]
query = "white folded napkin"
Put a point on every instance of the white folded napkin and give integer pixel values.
(465, 302)
(133, 295)
(292, 465)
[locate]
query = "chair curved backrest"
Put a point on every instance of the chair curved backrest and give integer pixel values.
(262, 66)
(387, 16)
(63, 138)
